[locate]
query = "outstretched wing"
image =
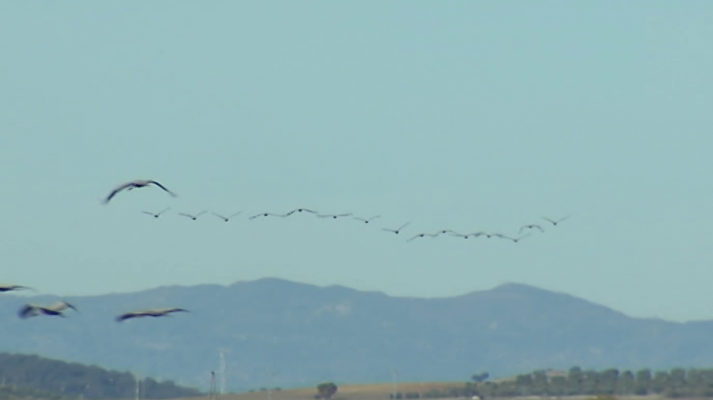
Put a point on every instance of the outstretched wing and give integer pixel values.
(27, 311)
(164, 188)
(116, 190)
(403, 226)
(420, 235)
(126, 316)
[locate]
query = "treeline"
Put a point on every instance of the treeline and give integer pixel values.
(21, 393)
(74, 380)
(674, 383)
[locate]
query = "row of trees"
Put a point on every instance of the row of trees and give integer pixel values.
(14, 393)
(75, 380)
(677, 382)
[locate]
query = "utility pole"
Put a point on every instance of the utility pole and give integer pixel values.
(211, 391)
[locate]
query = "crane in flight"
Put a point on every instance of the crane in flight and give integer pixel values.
(191, 216)
(334, 216)
(531, 226)
(515, 240)
(366, 220)
(156, 215)
(555, 221)
(138, 183)
(467, 235)
(10, 288)
(154, 312)
(224, 218)
(307, 210)
(420, 235)
(396, 231)
(268, 214)
(31, 310)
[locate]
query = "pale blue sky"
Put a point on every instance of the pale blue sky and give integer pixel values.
(461, 114)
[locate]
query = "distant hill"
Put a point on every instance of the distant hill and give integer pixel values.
(311, 334)
(30, 376)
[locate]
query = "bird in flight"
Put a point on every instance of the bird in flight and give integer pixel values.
(156, 215)
(10, 288)
(334, 216)
(420, 235)
(267, 214)
(449, 231)
(366, 220)
(300, 210)
(467, 235)
(517, 239)
(555, 222)
(193, 217)
(31, 310)
(531, 226)
(138, 183)
(154, 312)
(224, 218)
(396, 231)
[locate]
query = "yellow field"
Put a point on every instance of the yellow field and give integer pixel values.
(379, 391)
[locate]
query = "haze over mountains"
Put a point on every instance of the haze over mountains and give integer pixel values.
(308, 334)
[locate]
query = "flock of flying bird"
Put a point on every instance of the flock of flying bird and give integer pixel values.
(450, 232)
(56, 309)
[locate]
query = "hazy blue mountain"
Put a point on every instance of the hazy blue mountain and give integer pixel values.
(309, 334)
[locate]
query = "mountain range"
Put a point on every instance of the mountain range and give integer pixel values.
(276, 333)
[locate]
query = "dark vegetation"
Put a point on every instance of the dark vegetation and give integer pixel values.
(674, 383)
(326, 390)
(30, 376)
(8, 392)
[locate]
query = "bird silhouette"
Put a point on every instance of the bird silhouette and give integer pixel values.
(138, 183)
(267, 214)
(156, 215)
(226, 219)
(366, 220)
(517, 239)
(468, 235)
(193, 217)
(555, 222)
(531, 226)
(420, 235)
(396, 231)
(31, 310)
(444, 231)
(333, 216)
(154, 312)
(10, 288)
(299, 210)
